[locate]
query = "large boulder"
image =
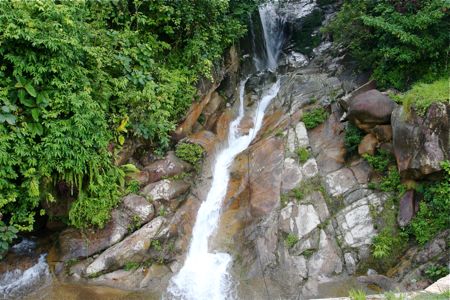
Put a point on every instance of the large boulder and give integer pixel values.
(421, 142)
(369, 109)
(169, 166)
(132, 249)
(133, 212)
(165, 189)
(407, 208)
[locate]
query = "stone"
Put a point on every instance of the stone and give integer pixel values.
(133, 248)
(165, 189)
(169, 166)
(369, 109)
(421, 143)
(138, 206)
(296, 60)
(297, 137)
(310, 169)
(350, 263)
(206, 139)
(383, 133)
(213, 104)
(368, 145)
(439, 286)
(361, 169)
(266, 165)
(134, 211)
(298, 219)
(406, 209)
(326, 260)
(327, 144)
(318, 201)
(340, 181)
(292, 175)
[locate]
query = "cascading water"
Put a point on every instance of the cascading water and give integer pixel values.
(204, 274)
(272, 26)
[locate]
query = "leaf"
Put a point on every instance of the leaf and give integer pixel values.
(11, 119)
(20, 82)
(121, 140)
(24, 100)
(42, 99)
(35, 112)
(129, 168)
(30, 89)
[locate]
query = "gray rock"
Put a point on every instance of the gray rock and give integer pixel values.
(406, 208)
(310, 169)
(350, 263)
(165, 189)
(326, 261)
(169, 166)
(298, 219)
(340, 181)
(292, 175)
(133, 248)
(421, 143)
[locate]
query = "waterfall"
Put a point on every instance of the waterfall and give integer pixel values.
(272, 26)
(204, 275)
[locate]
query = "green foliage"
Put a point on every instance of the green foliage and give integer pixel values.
(401, 41)
(298, 193)
(385, 242)
(129, 266)
(434, 210)
(302, 154)
(430, 296)
(352, 138)
(7, 235)
(357, 294)
(290, 240)
(314, 117)
(78, 78)
(156, 245)
(434, 272)
(393, 296)
(422, 95)
(133, 186)
(191, 153)
(284, 199)
(380, 161)
(392, 182)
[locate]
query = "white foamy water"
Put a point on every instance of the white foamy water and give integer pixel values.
(272, 25)
(16, 283)
(204, 275)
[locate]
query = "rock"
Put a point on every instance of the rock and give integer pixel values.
(296, 60)
(298, 219)
(297, 137)
(383, 133)
(361, 169)
(206, 139)
(266, 167)
(406, 208)
(350, 263)
(369, 109)
(421, 143)
(355, 221)
(131, 249)
(165, 189)
(292, 175)
(310, 169)
(327, 143)
(74, 243)
(169, 166)
(340, 181)
(318, 201)
(326, 261)
(368, 145)
(384, 282)
(439, 286)
(213, 105)
(138, 206)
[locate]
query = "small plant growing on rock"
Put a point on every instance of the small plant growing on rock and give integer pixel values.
(284, 199)
(290, 240)
(298, 193)
(132, 187)
(314, 117)
(357, 294)
(434, 272)
(352, 139)
(191, 153)
(156, 245)
(303, 154)
(129, 266)
(162, 212)
(380, 161)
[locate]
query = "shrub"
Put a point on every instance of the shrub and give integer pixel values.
(380, 161)
(434, 272)
(314, 117)
(401, 41)
(298, 193)
(434, 210)
(352, 139)
(7, 235)
(290, 240)
(191, 153)
(422, 95)
(302, 154)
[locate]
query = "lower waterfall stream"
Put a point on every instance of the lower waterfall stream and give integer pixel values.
(205, 272)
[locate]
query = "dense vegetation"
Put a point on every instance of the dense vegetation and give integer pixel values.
(78, 78)
(401, 41)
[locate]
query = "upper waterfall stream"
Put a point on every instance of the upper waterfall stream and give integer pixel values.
(205, 271)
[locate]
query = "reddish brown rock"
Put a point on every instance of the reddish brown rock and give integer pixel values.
(223, 123)
(204, 138)
(368, 145)
(421, 143)
(369, 109)
(406, 208)
(266, 166)
(183, 221)
(169, 166)
(383, 133)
